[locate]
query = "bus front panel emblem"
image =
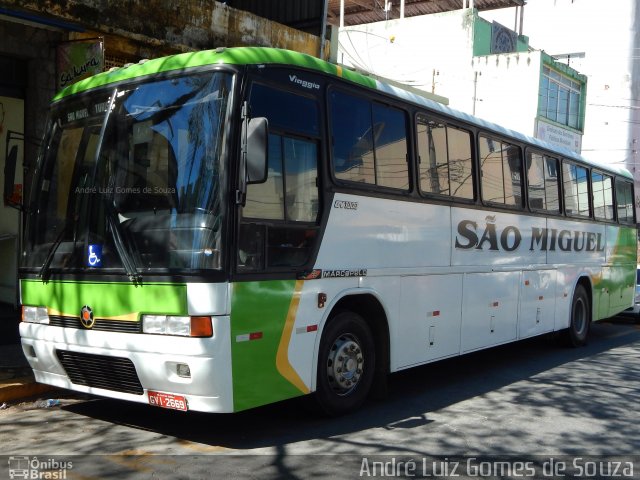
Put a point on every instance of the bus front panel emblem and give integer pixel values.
(86, 317)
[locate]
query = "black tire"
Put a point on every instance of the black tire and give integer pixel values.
(580, 320)
(346, 364)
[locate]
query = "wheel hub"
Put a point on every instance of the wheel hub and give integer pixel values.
(345, 364)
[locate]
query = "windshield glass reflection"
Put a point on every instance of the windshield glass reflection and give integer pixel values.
(149, 190)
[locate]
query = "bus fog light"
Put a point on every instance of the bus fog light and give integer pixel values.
(35, 314)
(183, 370)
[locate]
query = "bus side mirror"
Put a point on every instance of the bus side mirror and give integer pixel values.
(9, 178)
(257, 148)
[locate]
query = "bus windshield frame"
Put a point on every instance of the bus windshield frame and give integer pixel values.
(134, 179)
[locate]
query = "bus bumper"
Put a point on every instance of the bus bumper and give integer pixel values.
(128, 366)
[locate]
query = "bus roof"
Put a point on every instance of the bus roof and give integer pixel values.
(265, 55)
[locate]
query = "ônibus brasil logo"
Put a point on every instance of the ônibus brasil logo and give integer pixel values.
(35, 468)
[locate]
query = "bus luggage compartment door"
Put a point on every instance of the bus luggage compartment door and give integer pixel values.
(489, 309)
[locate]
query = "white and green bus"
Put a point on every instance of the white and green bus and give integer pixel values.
(220, 230)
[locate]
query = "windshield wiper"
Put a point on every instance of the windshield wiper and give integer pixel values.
(126, 258)
(44, 270)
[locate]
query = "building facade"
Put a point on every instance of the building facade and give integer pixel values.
(602, 42)
(482, 67)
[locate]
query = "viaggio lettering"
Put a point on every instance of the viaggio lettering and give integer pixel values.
(304, 83)
(471, 236)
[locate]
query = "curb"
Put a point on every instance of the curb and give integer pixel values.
(19, 388)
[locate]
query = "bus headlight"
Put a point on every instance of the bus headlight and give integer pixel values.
(177, 325)
(35, 314)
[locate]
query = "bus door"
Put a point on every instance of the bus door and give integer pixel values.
(277, 240)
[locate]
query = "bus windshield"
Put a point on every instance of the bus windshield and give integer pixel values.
(133, 179)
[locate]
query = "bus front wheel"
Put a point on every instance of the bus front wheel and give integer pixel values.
(346, 364)
(576, 334)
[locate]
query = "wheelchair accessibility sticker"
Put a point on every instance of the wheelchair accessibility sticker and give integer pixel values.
(94, 256)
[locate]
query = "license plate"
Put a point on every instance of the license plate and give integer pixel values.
(167, 400)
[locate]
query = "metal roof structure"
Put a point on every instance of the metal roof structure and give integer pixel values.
(307, 15)
(357, 12)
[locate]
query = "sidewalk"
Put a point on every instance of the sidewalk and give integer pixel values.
(16, 378)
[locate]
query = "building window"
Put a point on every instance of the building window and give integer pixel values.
(559, 98)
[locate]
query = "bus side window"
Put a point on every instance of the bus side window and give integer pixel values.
(369, 142)
(434, 160)
(445, 159)
(576, 189)
(602, 193)
(542, 182)
(390, 145)
(501, 171)
(624, 201)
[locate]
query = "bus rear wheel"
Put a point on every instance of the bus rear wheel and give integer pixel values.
(580, 321)
(346, 364)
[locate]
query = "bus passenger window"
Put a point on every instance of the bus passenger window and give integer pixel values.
(369, 142)
(446, 165)
(434, 161)
(352, 135)
(624, 202)
(542, 182)
(390, 144)
(602, 193)
(501, 171)
(576, 190)
(460, 162)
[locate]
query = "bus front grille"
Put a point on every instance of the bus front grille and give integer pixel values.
(101, 371)
(100, 324)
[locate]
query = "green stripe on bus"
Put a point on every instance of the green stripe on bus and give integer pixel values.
(625, 250)
(105, 299)
(229, 56)
(259, 308)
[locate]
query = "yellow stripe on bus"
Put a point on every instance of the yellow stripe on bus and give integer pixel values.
(282, 358)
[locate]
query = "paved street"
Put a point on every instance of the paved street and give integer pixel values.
(529, 398)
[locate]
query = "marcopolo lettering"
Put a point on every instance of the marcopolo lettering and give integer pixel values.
(360, 272)
(542, 239)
